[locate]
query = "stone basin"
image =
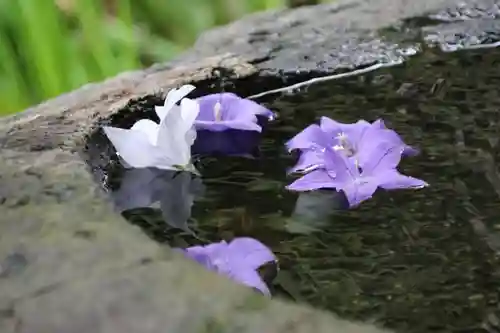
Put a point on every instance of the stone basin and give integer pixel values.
(69, 263)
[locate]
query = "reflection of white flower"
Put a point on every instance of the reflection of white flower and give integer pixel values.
(174, 190)
(166, 145)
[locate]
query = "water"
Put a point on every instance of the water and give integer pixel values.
(413, 260)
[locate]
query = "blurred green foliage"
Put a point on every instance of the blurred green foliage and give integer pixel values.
(48, 47)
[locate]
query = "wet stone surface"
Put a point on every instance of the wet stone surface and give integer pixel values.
(415, 261)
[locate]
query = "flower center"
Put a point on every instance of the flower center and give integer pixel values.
(344, 145)
(218, 111)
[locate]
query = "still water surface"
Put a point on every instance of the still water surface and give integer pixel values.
(414, 260)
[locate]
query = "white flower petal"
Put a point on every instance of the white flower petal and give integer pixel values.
(173, 96)
(189, 112)
(148, 127)
(132, 145)
(166, 145)
(134, 148)
(190, 136)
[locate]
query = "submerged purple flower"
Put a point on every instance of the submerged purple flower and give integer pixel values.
(219, 112)
(239, 260)
(346, 138)
(359, 183)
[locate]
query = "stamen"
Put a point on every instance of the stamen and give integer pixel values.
(344, 145)
(356, 164)
(218, 111)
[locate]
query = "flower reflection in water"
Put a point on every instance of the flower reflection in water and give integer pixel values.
(175, 192)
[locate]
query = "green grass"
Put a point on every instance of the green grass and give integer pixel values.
(46, 49)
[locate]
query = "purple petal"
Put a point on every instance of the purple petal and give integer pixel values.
(252, 107)
(358, 192)
(379, 123)
(248, 277)
(339, 165)
(232, 107)
(353, 131)
(392, 180)
(244, 125)
(207, 104)
(309, 137)
(313, 180)
(309, 159)
(329, 125)
(356, 131)
(372, 136)
(205, 255)
(237, 263)
(249, 124)
(375, 141)
(384, 156)
(250, 251)
(391, 136)
(410, 151)
(200, 257)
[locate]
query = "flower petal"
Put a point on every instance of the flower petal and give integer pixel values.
(387, 135)
(207, 254)
(353, 131)
(148, 127)
(344, 168)
(313, 180)
(248, 277)
(243, 105)
(329, 125)
(311, 136)
(248, 123)
(359, 192)
(309, 159)
(175, 135)
(197, 254)
(410, 151)
(135, 148)
(189, 111)
(241, 124)
(207, 104)
(173, 96)
(385, 156)
(379, 123)
(250, 251)
(392, 179)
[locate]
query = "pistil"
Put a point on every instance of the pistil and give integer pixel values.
(218, 111)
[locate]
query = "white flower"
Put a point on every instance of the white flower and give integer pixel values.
(166, 145)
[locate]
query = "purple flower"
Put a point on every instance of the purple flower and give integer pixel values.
(229, 125)
(219, 112)
(239, 260)
(329, 133)
(347, 138)
(359, 183)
